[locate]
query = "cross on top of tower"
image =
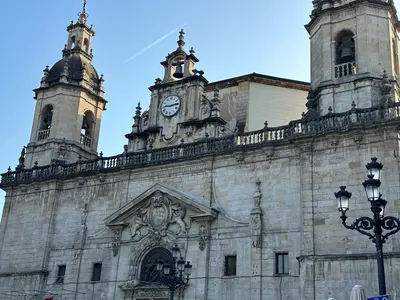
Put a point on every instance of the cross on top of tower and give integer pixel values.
(181, 41)
(83, 15)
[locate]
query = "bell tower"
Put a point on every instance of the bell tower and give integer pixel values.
(179, 111)
(69, 103)
(354, 54)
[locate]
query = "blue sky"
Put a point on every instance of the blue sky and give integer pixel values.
(264, 36)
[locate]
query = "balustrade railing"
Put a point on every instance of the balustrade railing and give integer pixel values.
(43, 134)
(85, 140)
(345, 69)
(333, 122)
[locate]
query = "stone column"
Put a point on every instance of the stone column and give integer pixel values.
(256, 246)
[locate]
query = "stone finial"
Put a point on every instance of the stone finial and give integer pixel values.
(46, 72)
(157, 81)
(125, 148)
(83, 71)
(84, 6)
(65, 71)
(386, 89)
(83, 15)
(181, 41)
(136, 118)
(265, 124)
(312, 105)
(330, 109)
(21, 160)
(101, 80)
(353, 105)
(191, 51)
(216, 101)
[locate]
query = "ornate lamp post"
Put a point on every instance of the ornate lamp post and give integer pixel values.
(371, 227)
(174, 276)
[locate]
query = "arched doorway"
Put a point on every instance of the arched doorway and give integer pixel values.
(148, 268)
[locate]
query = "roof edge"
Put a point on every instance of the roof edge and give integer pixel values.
(259, 78)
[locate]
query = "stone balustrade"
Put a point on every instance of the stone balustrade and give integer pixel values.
(85, 140)
(332, 122)
(346, 69)
(43, 134)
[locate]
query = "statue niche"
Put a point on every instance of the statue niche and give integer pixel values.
(157, 217)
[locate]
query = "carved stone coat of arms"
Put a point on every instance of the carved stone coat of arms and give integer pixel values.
(158, 216)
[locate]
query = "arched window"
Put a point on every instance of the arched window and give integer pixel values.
(148, 271)
(87, 124)
(345, 48)
(87, 128)
(86, 45)
(47, 117)
(177, 68)
(73, 42)
(45, 122)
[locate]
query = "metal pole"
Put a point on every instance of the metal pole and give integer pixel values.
(379, 254)
(171, 294)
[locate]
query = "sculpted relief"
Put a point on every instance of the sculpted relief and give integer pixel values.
(156, 217)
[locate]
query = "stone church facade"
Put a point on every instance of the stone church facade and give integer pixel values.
(253, 211)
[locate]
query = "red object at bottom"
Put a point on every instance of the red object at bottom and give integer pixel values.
(50, 298)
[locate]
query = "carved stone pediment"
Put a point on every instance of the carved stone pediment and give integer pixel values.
(158, 212)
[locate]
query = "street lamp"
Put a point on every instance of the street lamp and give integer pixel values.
(371, 227)
(175, 276)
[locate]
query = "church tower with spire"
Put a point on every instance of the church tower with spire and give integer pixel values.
(354, 54)
(69, 103)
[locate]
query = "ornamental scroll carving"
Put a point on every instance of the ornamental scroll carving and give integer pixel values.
(160, 215)
(81, 234)
(256, 214)
(204, 234)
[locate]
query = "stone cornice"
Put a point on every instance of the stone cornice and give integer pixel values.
(258, 78)
(176, 83)
(99, 98)
(316, 13)
(26, 273)
(342, 257)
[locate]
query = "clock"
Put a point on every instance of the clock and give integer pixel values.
(170, 106)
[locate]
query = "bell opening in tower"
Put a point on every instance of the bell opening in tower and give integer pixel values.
(178, 72)
(345, 61)
(345, 48)
(45, 122)
(87, 128)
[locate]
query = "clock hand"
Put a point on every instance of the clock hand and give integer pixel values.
(171, 105)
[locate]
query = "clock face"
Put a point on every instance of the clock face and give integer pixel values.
(170, 106)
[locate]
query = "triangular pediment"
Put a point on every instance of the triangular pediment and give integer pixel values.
(161, 197)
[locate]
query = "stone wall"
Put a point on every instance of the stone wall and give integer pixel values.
(42, 223)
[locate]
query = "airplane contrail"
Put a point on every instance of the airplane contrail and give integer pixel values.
(156, 42)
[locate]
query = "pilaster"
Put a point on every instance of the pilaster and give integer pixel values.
(256, 245)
